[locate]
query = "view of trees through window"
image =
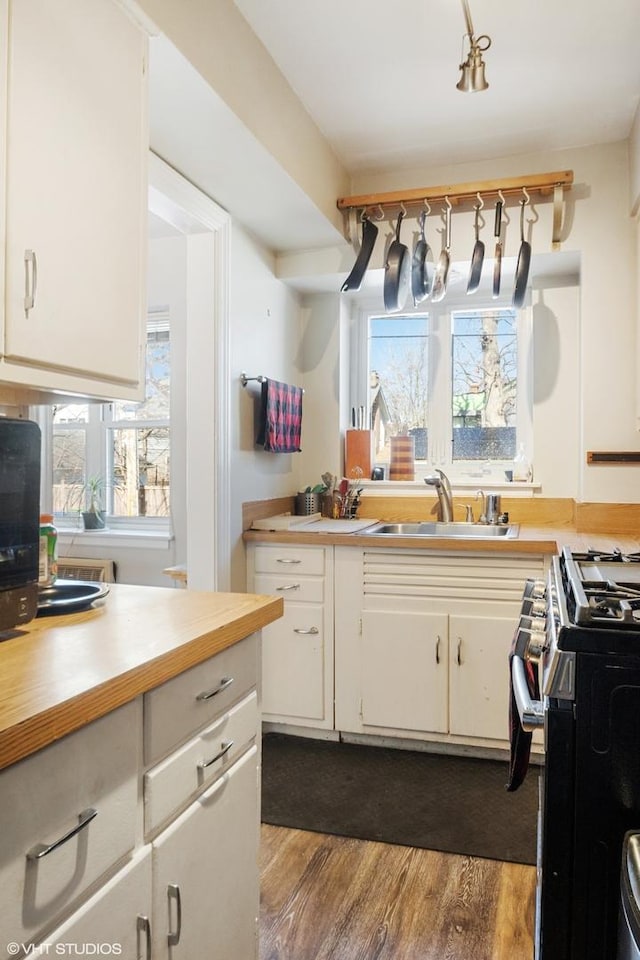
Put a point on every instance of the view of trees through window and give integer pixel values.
(125, 445)
(479, 348)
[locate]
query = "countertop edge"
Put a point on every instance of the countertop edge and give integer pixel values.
(37, 727)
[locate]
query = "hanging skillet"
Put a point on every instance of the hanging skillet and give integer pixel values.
(421, 267)
(477, 258)
(397, 272)
(497, 262)
(369, 234)
(524, 261)
(442, 267)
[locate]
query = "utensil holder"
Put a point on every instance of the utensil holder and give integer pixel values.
(307, 504)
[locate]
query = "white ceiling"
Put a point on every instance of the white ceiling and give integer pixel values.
(378, 77)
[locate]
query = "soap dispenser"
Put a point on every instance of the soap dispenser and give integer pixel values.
(522, 470)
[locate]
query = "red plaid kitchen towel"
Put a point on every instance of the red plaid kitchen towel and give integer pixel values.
(280, 417)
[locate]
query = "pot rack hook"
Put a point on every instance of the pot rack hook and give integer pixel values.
(526, 199)
(448, 203)
(480, 202)
(505, 215)
(403, 209)
(364, 215)
(427, 206)
(382, 213)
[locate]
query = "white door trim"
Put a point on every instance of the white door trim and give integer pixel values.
(192, 213)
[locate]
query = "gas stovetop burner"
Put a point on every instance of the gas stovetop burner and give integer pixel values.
(602, 589)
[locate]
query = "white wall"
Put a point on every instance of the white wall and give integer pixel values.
(265, 339)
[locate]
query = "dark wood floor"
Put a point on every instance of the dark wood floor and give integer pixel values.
(336, 898)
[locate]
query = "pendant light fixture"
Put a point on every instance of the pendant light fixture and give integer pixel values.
(473, 78)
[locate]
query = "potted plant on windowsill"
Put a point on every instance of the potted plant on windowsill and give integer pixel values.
(93, 517)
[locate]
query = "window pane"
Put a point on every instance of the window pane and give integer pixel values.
(71, 413)
(484, 355)
(398, 356)
(158, 357)
(69, 470)
(141, 472)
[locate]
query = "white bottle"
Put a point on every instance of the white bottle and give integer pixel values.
(521, 467)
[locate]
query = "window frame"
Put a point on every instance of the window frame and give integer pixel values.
(439, 379)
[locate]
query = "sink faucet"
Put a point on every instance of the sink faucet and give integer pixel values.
(445, 500)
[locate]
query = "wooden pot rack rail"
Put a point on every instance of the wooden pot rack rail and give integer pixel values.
(541, 184)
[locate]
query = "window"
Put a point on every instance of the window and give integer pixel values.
(453, 377)
(122, 447)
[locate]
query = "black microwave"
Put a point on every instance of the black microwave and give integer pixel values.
(20, 446)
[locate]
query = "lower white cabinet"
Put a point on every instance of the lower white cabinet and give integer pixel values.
(297, 650)
(116, 922)
(422, 643)
(205, 880)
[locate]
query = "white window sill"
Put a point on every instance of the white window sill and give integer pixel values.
(114, 537)
(395, 488)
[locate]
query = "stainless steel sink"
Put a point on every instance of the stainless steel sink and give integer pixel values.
(477, 531)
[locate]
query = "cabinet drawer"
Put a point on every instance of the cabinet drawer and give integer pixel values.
(289, 560)
(174, 781)
(176, 710)
(290, 587)
(45, 798)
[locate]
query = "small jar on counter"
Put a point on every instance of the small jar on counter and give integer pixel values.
(48, 559)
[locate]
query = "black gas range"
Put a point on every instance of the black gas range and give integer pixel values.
(576, 672)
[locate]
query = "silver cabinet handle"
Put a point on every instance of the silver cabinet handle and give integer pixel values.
(311, 630)
(225, 749)
(144, 928)
(288, 560)
(291, 586)
(42, 849)
(459, 653)
(208, 694)
(30, 280)
(173, 893)
(438, 649)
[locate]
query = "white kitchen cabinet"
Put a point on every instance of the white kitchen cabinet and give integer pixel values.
(205, 881)
(297, 650)
(75, 167)
(69, 818)
(115, 922)
(422, 643)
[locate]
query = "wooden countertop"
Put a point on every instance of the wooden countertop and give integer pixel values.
(58, 673)
(530, 539)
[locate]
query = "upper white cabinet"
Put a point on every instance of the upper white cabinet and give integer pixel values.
(75, 170)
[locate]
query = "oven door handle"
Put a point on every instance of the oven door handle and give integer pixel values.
(531, 712)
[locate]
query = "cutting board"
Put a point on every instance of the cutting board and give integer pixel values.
(335, 526)
(283, 521)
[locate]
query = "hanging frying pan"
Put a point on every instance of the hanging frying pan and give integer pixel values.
(523, 264)
(397, 272)
(477, 258)
(442, 267)
(369, 234)
(497, 261)
(421, 272)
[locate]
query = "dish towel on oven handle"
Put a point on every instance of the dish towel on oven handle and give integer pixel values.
(519, 739)
(280, 417)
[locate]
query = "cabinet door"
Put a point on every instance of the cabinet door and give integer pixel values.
(404, 670)
(479, 681)
(77, 150)
(114, 922)
(205, 873)
(294, 665)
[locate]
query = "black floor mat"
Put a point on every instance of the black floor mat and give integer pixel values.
(453, 804)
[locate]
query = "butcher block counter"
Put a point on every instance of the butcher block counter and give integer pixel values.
(59, 673)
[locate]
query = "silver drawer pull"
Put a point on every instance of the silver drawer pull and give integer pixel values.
(312, 630)
(173, 892)
(288, 560)
(144, 927)
(207, 694)
(291, 586)
(225, 749)
(42, 849)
